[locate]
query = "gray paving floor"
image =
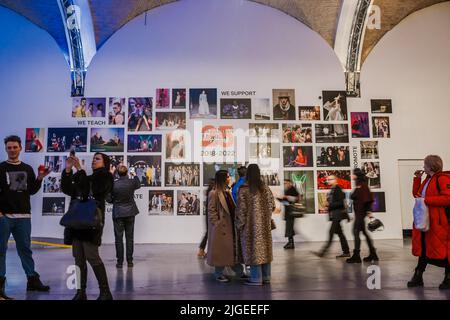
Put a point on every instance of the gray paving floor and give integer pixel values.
(174, 272)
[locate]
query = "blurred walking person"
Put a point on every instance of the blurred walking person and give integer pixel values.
(362, 204)
(337, 212)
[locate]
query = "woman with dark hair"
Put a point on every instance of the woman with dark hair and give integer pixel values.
(222, 240)
(431, 246)
(362, 204)
(85, 243)
(201, 249)
(253, 222)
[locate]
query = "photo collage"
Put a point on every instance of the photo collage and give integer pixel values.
(303, 143)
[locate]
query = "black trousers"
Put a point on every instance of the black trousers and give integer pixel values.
(336, 229)
(289, 231)
(423, 261)
(205, 237)
(121, 226)
(84, 251)
(358, 227)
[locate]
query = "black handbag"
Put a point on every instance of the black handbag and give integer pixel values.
(83, 214)
(295, 211)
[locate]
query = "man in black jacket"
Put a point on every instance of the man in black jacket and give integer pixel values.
(124, 212)
(337, 211)
(17, 183)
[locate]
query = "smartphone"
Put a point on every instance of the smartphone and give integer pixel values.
(72, 153)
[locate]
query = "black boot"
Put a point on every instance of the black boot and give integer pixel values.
(290, 244)
(416, 280)
(80, 296)
(102, 278)
(3, 295)
(355, 258)
(372, 256)
(445, 285)
(34, 284)
(81, 293)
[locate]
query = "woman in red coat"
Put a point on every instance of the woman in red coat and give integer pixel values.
(433, 246)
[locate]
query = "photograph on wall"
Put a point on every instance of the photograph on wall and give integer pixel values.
(218, 144)
(176, 145)
(55, 163)
(210, 169)
(182, 174)
(369, 150)
(235, 108)
(334, 105)
(66, 139)
(270, 177)
(264, 130)
(309, 113)
(160, 202)
(379, 202)
(283, 104)
(343, 178)
(34, 139)
(381, 105)
(360, 124)
(261, 108)
(53, 206)
(298, 156)
(322, 198)
(188, 202)
(333, 156)
(88, 107)
(297, 133)
(107, 139)
(146, 168)
(170, 120)
(144, 143)
(303, 181)
(162, 98)
(264, 150)
(116, 160)
(116, 112)
(52, 184)
(140, 114)
(203, 103)
(372, 171)
(178, 98)
(380, 127)
(332, 133)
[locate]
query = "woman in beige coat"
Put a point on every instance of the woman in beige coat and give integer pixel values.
(253, 222)
(222, 238)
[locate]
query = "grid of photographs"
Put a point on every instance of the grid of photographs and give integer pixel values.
(282, 144)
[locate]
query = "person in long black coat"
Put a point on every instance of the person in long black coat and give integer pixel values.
(86, 243)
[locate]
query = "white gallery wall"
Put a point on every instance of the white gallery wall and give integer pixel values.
(234, 45)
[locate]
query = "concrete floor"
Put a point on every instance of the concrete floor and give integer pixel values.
(174, 272)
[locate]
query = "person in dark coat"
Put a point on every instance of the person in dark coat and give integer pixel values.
(337, 211)
(124, 213)
(362, 204)
(86, 243)
(291, 196)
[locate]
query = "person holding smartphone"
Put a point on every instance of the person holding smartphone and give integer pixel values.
(86, 243)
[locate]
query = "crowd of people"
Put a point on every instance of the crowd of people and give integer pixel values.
(239, 217)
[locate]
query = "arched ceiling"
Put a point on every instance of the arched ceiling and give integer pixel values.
(321, 16)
